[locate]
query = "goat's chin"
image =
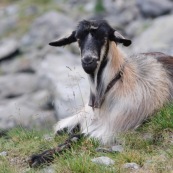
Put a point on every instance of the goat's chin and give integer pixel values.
(89, 69)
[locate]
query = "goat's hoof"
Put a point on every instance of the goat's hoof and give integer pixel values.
(74, 130)
(61, 132)
(41, 159)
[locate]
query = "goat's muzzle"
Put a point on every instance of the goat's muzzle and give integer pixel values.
(89, 64)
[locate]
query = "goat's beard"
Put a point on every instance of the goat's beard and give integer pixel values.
(89, 69)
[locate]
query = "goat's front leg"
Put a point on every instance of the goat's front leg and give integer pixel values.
(47, 156)
(71, 123)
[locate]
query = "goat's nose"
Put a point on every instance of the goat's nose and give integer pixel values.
(88, 60)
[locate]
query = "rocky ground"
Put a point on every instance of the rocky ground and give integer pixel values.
(40, 84)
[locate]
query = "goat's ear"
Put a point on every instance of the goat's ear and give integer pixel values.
(64, 41)
(118, 38)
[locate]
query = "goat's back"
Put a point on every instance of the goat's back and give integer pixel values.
(166, 62)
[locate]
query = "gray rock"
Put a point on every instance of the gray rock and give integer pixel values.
(105, 150)
(148, 136)
(19, 64)
(63, 75)
(89, 7)
(8, 48)
(117, 148)
(155, 38)
(49, 169)
(47, 137)
(7, 24)
(131, 166)
(14, 85)
(124, 15)
(4, 153)
(44, 30)
(154, 8)
(103, 161)
(31, 10)
(25, 111)
(11, 10)
(137, 27)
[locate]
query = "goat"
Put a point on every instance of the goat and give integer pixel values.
(124, 91)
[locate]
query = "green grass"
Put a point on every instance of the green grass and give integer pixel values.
(150, 146)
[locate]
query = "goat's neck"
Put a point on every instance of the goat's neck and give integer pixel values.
(114, 63)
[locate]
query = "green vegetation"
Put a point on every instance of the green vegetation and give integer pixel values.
(150, 146)
(99, 7)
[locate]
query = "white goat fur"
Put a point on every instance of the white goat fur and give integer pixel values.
(144, 88)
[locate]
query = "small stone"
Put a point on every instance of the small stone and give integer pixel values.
(105, 150)
(131, 165)
(103, 161)
(48, 137)
(117, 148)
(74, 139)
(4, 153)
(49, 169)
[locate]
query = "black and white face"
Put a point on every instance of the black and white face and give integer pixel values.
(93, 38)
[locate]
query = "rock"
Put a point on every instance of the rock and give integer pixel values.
(27, 112)
(14, 85)
(131, 166)
(44, 30)
(47, 137)
(105, 150)
(42, 99)
(117, 148)
(11, 10)
(103, 161)
(155, 38)
(123, 16)
(137, 27)
(89, 7)
(49, 169)
(31, 10)
(148, 136)
(63, 75)
(19, 65)
(154, 8)
(7, 24)
(4, 153)
(8, 48)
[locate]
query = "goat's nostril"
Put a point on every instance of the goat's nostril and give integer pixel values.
(87, 60)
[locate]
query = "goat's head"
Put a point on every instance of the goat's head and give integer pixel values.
(93, 38)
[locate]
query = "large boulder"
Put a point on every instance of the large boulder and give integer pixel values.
(63, 75)
(7, 24)
(122, 13)
(154, 8)
(24, 64)
(158, 36)
(15, 85)
(8, 48)
(30, 110)
(46, 28)
(137, 27)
